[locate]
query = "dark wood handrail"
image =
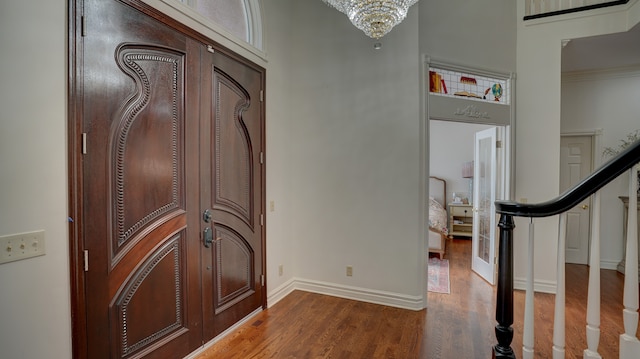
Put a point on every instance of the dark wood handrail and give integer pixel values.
(575, 9)
(507, 209)
(569, 199)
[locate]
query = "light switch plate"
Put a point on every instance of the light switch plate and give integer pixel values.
(19, 246)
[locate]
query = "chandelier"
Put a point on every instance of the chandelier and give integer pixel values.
(375, 17)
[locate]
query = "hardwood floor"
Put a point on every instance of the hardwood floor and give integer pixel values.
(456, 325)
(308, 325)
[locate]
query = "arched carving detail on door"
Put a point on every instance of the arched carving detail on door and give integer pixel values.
(143, 120)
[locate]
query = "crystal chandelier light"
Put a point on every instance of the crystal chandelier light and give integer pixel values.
(375, 17)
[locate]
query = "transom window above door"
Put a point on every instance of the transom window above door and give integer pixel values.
(241, 18)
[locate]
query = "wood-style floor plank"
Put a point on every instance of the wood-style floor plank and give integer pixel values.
(456, 325)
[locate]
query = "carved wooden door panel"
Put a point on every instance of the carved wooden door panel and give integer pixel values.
(169, 130)
(141, 222)
(232, 191)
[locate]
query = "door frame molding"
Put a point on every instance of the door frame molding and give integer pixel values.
(75, 95)
(79, 342)
(509, 143)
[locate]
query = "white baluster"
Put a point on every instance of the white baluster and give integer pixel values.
(593, 298)
(527, 334)
(558, 317)
(537, 7)
(629, 343)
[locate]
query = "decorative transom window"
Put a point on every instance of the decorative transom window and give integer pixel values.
(448, 82)
(240, 17)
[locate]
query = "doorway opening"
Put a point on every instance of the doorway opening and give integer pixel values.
(454, 157)
(457, 98)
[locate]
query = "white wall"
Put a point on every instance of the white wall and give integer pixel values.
(354, 151)
(450, 145)
(35, 319)
(354, 168)
(606, 100)
(478, 34)
(538, 121)
(277, 27)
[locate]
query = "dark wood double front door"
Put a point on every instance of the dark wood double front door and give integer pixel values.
(167, 184)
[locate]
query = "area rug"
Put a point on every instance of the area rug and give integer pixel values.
(439, 275)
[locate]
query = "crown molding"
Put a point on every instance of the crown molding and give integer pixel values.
(608, 73)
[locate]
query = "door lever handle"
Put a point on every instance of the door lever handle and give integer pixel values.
(207, 237)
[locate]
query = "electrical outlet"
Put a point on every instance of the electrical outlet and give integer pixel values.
(349, 271)
(272, 206)
(280, 270)
(19, 246)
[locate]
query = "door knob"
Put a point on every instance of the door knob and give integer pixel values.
(207, 237)
(585, 206)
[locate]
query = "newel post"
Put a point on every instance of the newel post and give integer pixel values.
(504, 299)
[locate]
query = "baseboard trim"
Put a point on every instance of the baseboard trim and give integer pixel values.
(282, 291)
(550, 286)
(605, 264)
(348, 292)
(538, 285)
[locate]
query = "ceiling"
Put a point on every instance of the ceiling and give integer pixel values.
(600, 52)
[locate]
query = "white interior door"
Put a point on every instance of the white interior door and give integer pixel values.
(484, 197)
(575, 165)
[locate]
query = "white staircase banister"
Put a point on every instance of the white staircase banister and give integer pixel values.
(559, 313)
(528, 330)
(593, 297)
(629, 343)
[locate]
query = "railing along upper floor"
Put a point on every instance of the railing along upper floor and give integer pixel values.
(629, 343)
(535, 9)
